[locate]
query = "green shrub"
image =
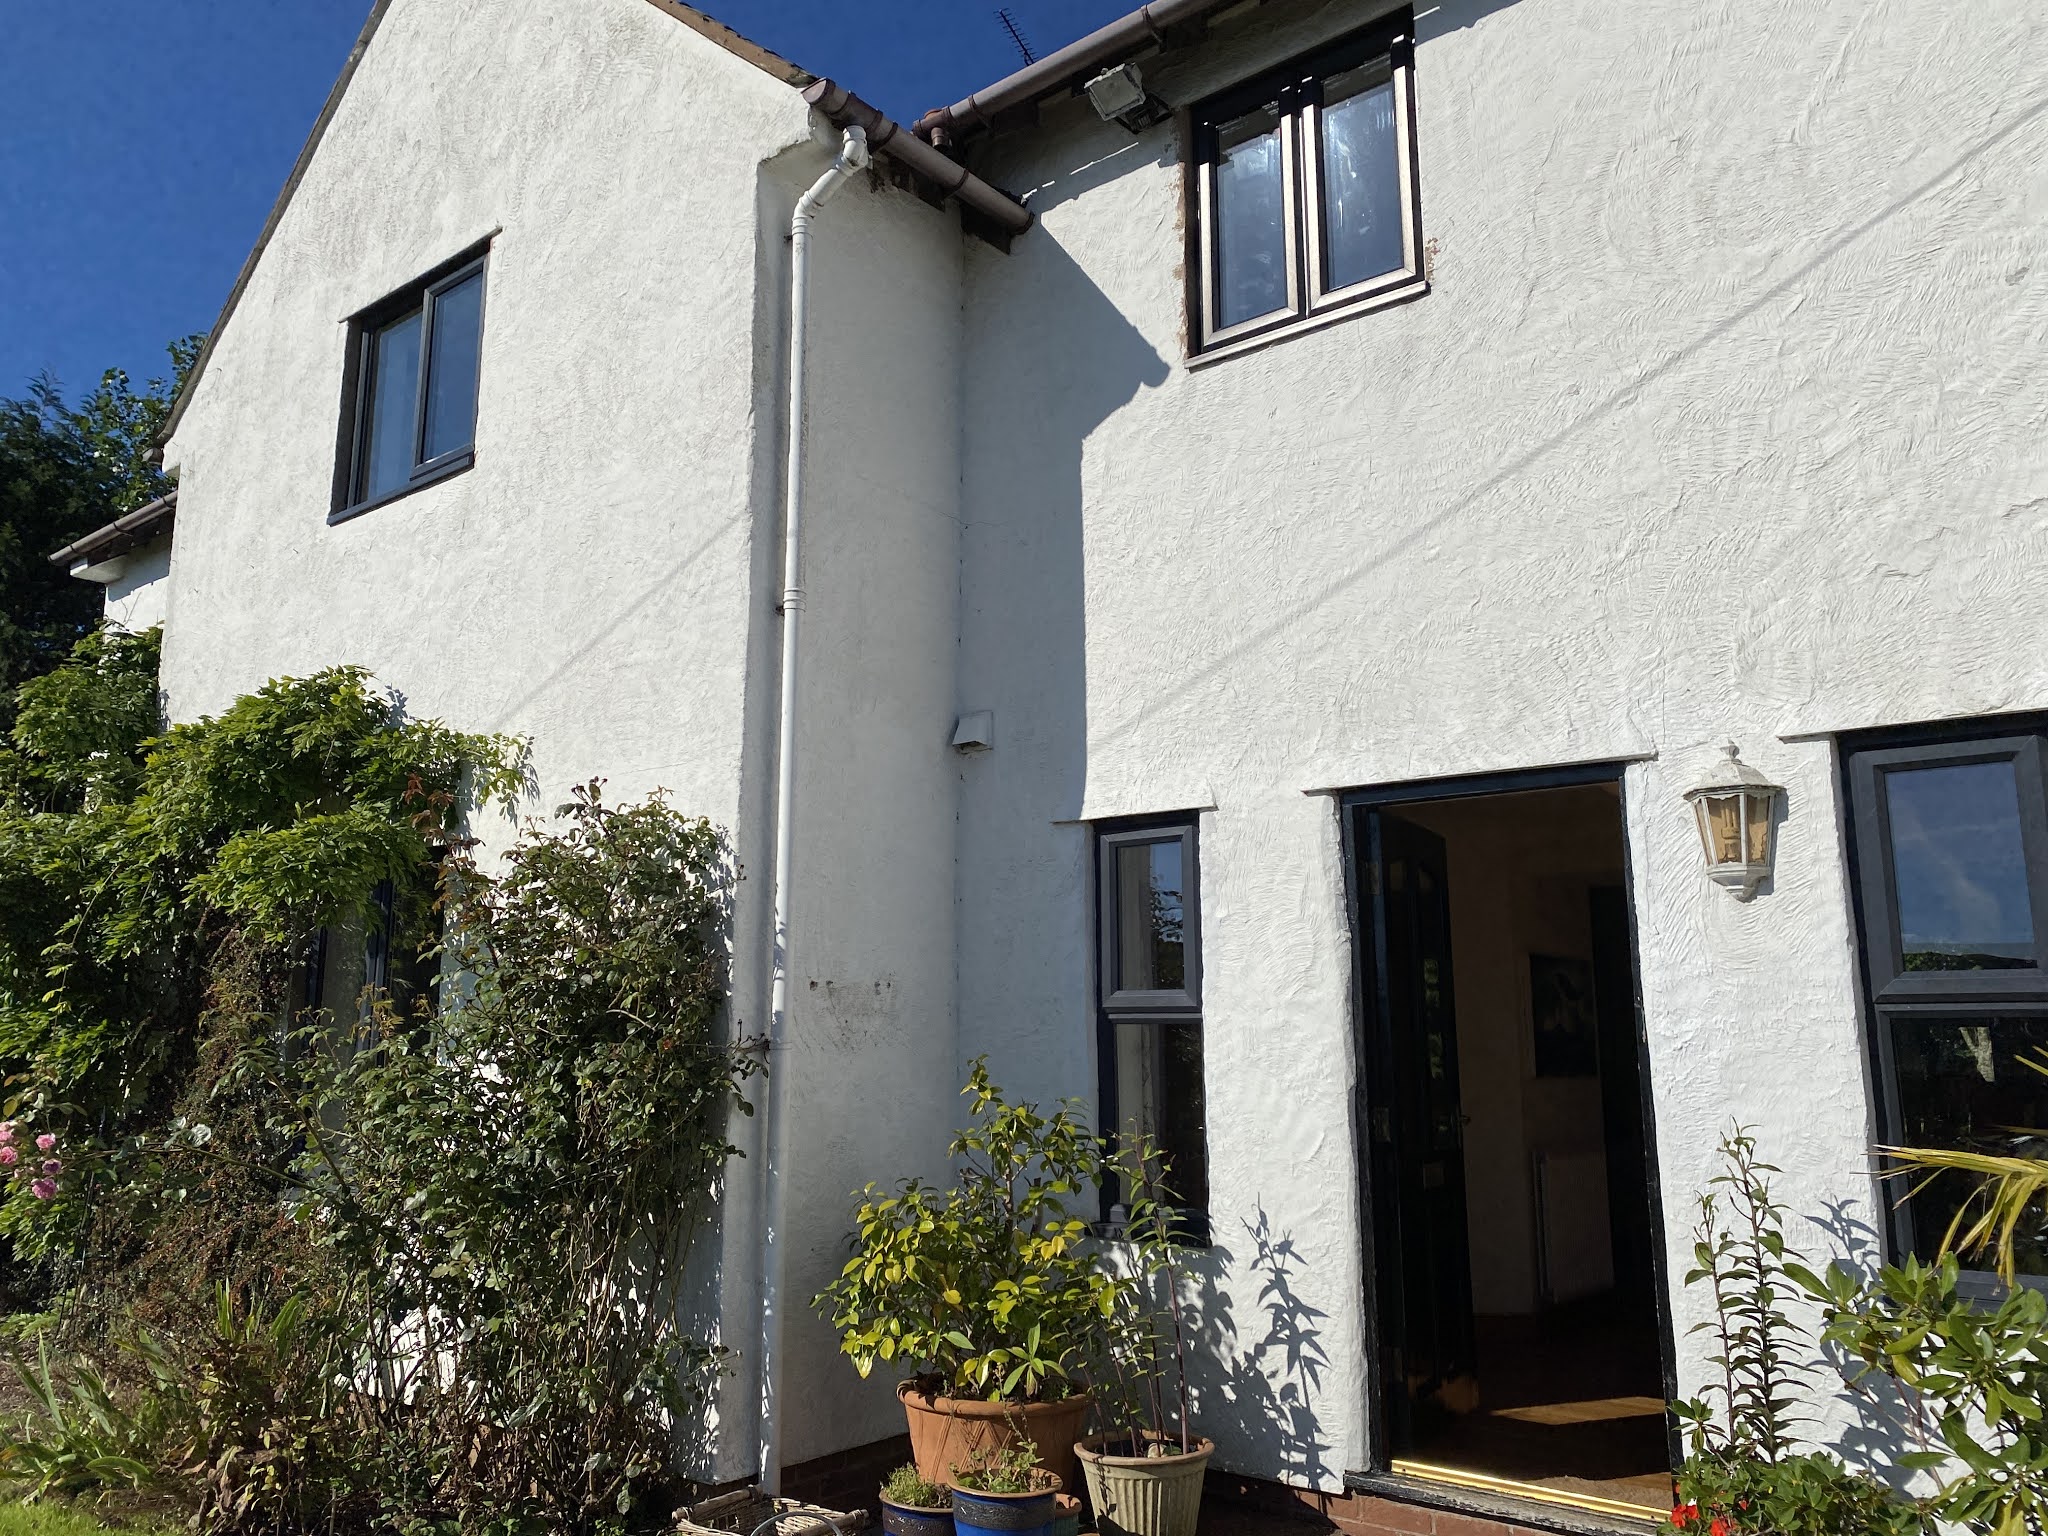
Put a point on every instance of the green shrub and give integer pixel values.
(989, 1287)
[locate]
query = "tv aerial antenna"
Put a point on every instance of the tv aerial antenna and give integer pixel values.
(1016, 34)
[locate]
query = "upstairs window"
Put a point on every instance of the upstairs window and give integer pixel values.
(409, 402)
(1951, 859)
(1150, 969)
(1306, 204)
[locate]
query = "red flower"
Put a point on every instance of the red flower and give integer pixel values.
(1720, 1527)
(1683, 1515)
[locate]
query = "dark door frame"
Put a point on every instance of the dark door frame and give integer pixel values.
(1363, 994)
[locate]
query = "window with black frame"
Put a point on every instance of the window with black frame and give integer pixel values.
(1150, 967)
(409, 395)
(1951, 851)
(1305, 190)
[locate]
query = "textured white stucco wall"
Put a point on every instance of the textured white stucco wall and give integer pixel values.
(1724, 418)
(605, 579)
(871, 1021)
(139, 597)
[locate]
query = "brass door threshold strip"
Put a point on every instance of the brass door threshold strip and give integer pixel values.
(1536, 1493)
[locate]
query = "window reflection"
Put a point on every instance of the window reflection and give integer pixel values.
(1971, 1085)
(1251, 219)
(1361, 179)
(1959, 867)
(1160, 1099)
(1151, 946)
(451, 370)
(394, 407)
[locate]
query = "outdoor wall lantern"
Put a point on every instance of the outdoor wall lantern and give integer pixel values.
(1734, 805)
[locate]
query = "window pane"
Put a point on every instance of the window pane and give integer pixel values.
(1159, 1097)
(1151, 945)
(451, 369)
(1361, 185)
(1251, 219)
(394, 397)
(1971, 1084)
(1959, 872)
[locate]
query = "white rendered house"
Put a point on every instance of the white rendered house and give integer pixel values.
(1284, 524)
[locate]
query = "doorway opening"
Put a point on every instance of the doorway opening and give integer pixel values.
(1517, 1302)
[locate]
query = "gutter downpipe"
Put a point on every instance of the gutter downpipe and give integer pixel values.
(1146, 25)
(853, 156)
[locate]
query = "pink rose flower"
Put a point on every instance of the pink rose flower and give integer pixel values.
(6, 1131)
(8, 1157)
(52, 1168)
(44, 1189)
(45, 1142)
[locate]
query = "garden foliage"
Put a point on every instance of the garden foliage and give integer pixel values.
(328, 1252)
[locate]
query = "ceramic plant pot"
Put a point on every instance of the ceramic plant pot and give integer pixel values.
(1066, 1515)
(914, 1520)
(1004, 1514)
(1144, 1495)
(946, 1431)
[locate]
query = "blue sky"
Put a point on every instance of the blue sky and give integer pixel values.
(143, 141)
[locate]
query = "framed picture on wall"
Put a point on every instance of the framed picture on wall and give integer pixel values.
(1561, 1006)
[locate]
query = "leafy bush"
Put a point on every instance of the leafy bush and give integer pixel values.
(522, 1181)
(987, 1287)
(1975, 1377)
(407, 1258)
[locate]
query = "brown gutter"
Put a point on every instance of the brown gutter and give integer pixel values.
(121, 535)
(842, 108)
(1068, 67)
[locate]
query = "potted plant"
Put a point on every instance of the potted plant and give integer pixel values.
(1145, 1472)
(1003, 1491)
(987, 1291)
(913, 1507)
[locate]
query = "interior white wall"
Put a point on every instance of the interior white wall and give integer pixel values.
(1521, 869)
(1724, 418)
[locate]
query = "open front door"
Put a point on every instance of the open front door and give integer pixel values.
(1428, 1355)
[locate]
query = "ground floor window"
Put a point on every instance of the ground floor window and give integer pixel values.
(1949, 837)
(1148, 913)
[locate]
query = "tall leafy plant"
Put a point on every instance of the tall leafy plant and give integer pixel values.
(1745, 1469)
(520, 1181)
(1144, 1384)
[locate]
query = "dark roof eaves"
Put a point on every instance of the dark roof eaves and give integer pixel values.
(122, 534)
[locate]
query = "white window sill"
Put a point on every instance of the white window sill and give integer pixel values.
(1321, 320)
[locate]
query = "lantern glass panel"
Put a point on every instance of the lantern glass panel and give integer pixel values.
(1757, 810)
(1720, 817)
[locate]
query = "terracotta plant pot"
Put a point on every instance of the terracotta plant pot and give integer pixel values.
(1144, 1495)
(915, 1520)
(946, 1430)
(1005, 1514)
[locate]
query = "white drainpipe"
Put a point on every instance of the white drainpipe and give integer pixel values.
(853, 155)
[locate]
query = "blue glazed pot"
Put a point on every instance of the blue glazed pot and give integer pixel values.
(1004, 1514)
(909, 1520)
